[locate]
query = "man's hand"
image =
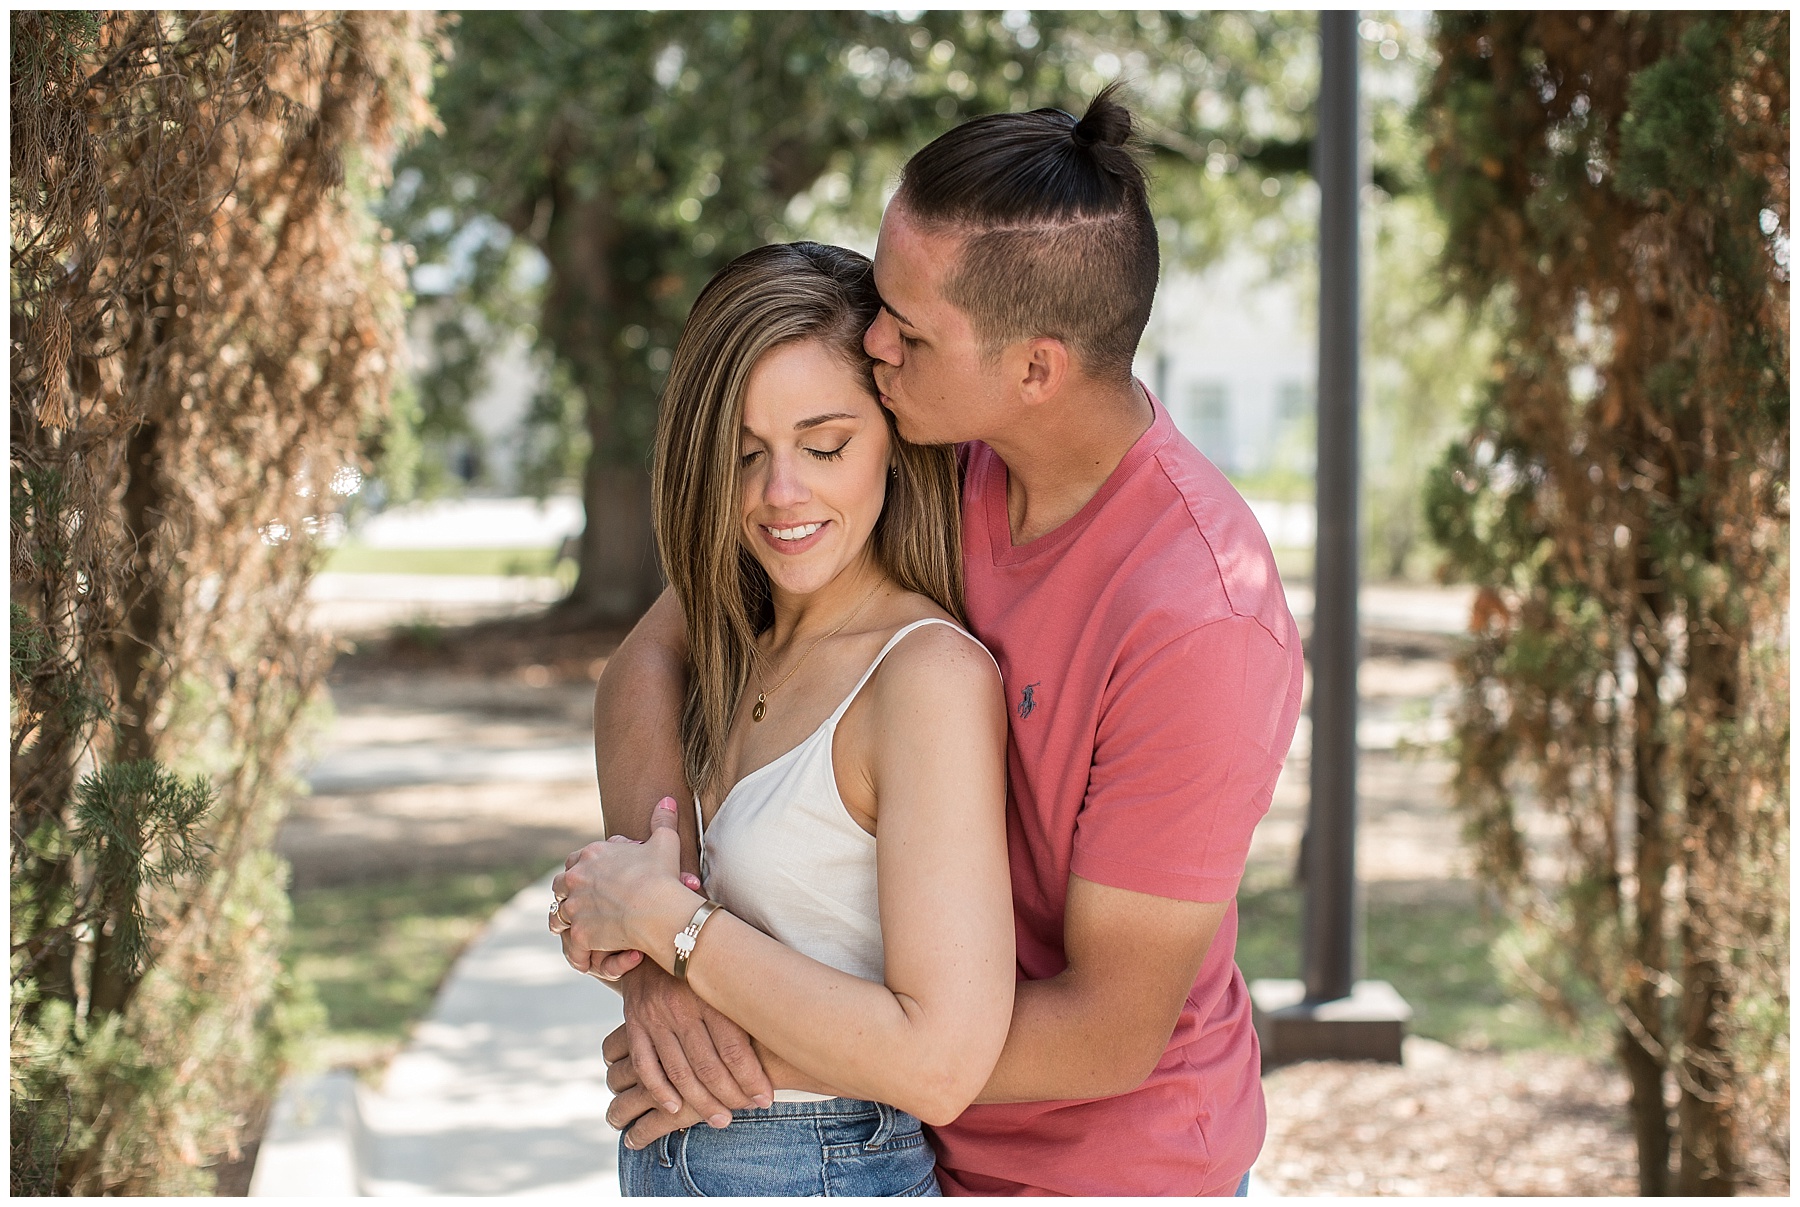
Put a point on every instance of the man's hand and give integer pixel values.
(634, 1111)
(687, 1057)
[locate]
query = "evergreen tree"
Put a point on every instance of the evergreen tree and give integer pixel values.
(1616, 186)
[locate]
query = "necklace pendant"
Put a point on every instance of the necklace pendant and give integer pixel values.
(762, 706)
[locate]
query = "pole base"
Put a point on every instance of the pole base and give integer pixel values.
(1367, 1025)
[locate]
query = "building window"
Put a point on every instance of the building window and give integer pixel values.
(1210, 412)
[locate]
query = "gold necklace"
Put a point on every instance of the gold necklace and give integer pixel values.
(762, 697)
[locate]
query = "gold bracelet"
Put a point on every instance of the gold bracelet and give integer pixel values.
(684, 942)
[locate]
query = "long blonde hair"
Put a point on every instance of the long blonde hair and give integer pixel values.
(776, 295)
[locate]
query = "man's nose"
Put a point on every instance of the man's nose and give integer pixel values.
(882, 340)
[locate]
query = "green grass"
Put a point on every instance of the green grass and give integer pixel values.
(352, 558)
(1436, 953)
(376, 954)
(1281, 485)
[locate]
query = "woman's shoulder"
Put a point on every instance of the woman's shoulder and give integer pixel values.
(933, 657)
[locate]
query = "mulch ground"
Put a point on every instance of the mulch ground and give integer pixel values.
(1452, 1122)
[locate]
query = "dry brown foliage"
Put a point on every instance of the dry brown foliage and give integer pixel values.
(205, 327)
(1617, 185)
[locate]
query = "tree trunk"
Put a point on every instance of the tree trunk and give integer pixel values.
(1649, 1114)
(584, 314)
(1708, 1143)
(136, 659)
(1706, 1117)
(620, 577)
(109, 985)
(141, 674)
(1643, 1049)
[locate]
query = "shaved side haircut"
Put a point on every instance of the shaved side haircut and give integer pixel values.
(1054, 217)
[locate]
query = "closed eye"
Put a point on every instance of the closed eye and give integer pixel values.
(829, 454)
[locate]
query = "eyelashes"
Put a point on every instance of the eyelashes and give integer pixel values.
(821, 454)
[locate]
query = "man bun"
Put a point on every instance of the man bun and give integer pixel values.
(1106, 121)
(1052, 214)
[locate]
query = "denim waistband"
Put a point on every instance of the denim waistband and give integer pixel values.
(888, 1119)
(829, 1107)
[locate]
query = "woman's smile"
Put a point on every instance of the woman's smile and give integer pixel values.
(792, 539)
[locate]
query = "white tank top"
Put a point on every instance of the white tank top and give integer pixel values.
(784, 854)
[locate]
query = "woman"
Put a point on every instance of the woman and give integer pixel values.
(845, 740)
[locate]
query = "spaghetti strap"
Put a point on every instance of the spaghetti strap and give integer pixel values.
(893, 641)
(829, 726)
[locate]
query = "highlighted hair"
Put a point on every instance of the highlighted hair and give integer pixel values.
(777, 295)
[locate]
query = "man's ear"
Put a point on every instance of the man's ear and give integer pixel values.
(1043, 369)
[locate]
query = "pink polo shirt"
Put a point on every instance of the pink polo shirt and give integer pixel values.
(1153, 678)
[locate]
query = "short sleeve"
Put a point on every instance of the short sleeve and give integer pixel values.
(1190, 742)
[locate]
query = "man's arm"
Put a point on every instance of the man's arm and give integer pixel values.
(1096, 1029)
(683, 1049)
(1101, 1025)
(637, 727)
(1179, 780)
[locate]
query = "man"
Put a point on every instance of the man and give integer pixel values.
(1152, 670)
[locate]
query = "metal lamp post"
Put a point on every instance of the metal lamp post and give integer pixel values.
(1329, 1013)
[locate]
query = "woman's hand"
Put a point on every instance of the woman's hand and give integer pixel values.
(618, 895)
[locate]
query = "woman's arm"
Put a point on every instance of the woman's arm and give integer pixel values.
(927, 1039)
(637, 754)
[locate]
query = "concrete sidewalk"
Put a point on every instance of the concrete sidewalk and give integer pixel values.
(502, 1090)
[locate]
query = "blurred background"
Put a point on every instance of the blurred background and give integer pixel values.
(335, 373)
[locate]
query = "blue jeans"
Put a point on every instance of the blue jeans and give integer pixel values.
(838, 1147)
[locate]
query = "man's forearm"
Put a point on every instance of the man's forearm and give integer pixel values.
(637, 727)
(1060, 1046)
(1101, 1026)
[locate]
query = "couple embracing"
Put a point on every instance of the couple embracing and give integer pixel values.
(932, 776)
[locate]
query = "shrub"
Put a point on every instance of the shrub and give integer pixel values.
(205, 325)
(1616, 186)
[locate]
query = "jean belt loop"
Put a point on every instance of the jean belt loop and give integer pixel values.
(666, 1150)
(884, 1130)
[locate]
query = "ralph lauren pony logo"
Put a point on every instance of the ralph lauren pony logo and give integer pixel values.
(1028, 699)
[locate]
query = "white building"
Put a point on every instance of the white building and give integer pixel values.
(1232, 355)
